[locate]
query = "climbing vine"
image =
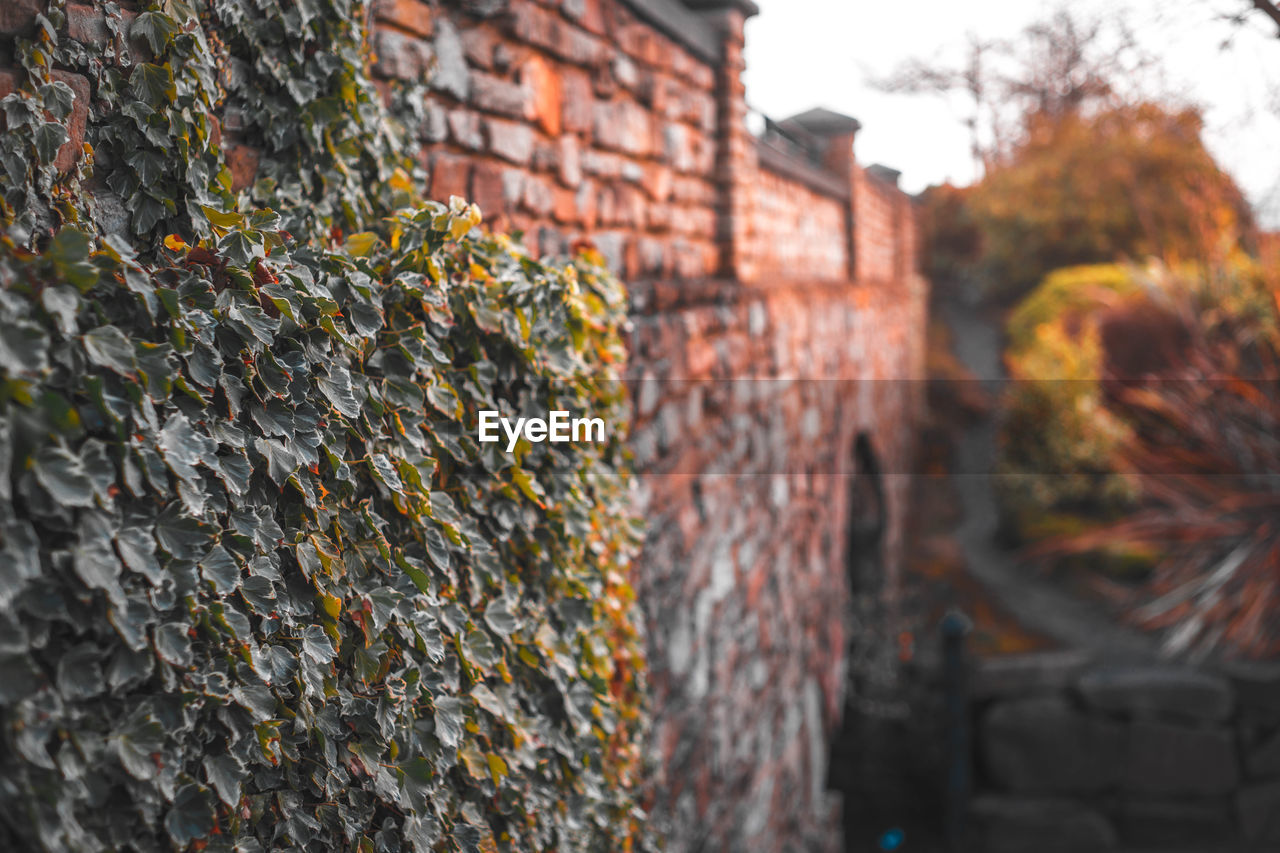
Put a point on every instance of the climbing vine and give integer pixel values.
(260, 588)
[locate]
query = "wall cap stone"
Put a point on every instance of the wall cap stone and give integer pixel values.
(1011, 675)
(676, 21)
(802, 172)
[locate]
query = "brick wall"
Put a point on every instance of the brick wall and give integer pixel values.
(776, 308)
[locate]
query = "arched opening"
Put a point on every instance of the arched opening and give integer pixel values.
(865, 522)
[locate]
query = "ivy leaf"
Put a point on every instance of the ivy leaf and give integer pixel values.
(498, 617)
(156, 27)
(24, 348)
(448, 717)
(224, 773)
(386, 472)
(317, 645)
(173, 644)
(220, 568)
(109, 347)
(136, 743)
(49, 137)
(137, 548)
(240, 248)
(63, 476)
(153, 83)
(19, 678)
(191, 816)
(80, 673)
(337, 387)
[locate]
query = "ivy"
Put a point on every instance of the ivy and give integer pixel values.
(260, 588)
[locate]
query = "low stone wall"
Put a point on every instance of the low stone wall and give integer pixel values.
(1076, 757)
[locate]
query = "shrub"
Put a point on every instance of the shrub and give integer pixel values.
(1057, 437)
(260, 588)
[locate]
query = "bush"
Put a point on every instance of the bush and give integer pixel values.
(260, 588)
(1057, 437)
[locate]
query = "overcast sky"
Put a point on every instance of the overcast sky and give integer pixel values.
(806, 53)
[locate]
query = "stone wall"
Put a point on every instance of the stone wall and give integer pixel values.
(778, 313)
(1074, 757)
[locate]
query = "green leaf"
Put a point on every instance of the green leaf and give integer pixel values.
(63, 476)
(152, 83)
(220, 569)
(156, 27)
(224, 773)
(109, 347)
(173, 644)
(449, 722)
(24, 348)
(191, 816)
(49, 137)
(499, 618)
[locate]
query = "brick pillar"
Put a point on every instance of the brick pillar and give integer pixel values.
(837, 133)
(736, 162)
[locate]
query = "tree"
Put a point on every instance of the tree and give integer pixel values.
(1126, 182)
(1062, 65)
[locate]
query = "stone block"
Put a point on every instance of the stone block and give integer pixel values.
(451, 74)
(568, 161)
(1258, 809)
(1018, 825)
(435, 124)
(576, 101)
(495, 94)
(1168, 760)
(622, 126)
(478, 44)
(399, 56)
(464, 129)
(1043, 745)
(1263, 760)
(1162, 690)
(537, 196)
(1163, 823)
(510, 140)
(1257, 687)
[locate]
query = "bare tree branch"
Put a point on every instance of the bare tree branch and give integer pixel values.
(1271, 10)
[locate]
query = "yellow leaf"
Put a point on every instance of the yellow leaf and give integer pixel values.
(174, 242)
(497, 767)
(361, 244)
(222, 218)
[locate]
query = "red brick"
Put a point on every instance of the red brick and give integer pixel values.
(242, 160)
(487, 190)
(539, 78)
(19, 16)
(412, 16)
(72, 149)
(450, 176)
(577, 98)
